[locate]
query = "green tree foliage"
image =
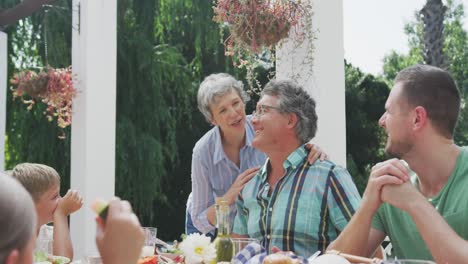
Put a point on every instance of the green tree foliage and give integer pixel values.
(432, 15)
(164, 49)
(44, 38)
(365, 100)
(455, 51)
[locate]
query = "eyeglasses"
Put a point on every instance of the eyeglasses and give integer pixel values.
(261, 110)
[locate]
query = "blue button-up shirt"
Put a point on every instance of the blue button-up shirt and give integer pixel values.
(213, 173)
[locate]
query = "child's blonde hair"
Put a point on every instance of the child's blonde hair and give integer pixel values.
(36, 178)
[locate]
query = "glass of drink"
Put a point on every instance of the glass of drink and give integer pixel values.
(240, 243)
(150, 241)
(93, 260)
(45, 245)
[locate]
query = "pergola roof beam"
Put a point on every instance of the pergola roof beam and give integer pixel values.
(24, 9)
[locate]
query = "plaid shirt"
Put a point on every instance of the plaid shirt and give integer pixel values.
(304, 212)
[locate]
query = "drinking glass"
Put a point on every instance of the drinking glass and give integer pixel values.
(150, 241)
(45, 245)
(93, 260)
(240, 243)
(407, 261)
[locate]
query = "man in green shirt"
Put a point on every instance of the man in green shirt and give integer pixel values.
(422, 204)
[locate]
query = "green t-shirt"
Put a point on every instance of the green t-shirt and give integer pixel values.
(451, 203)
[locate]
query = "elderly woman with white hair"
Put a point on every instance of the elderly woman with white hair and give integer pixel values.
(119, 239)
(223, 159)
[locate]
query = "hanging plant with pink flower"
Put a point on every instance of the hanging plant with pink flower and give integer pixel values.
(257, 26)
(54, 87)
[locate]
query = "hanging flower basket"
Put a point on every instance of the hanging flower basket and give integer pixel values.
(255, 24)
(256, 27)
(54, 87)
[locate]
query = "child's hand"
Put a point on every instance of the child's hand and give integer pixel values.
(70, 203)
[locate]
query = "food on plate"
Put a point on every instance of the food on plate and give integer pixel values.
(148, 260)
(42, 258)
(101, 208)
(168, 249)
(330, 259)
(279, 258)
(173, 254)
(59, 260)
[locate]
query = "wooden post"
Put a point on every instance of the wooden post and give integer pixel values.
(94, 113)
(327, 83)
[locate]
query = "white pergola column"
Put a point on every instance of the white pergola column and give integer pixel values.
(327, 83)
(93, 124)
(3, 95)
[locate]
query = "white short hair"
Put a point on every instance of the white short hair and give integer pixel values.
(217, 85)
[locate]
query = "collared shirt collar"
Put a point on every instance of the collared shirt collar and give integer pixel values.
(218, 153)
(292, 161)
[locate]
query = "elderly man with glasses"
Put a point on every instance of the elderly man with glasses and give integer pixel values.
(291, 204)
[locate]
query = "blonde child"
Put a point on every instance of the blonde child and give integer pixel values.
(43, 183)
(119, 239)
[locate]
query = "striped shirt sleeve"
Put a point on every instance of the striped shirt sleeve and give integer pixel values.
(240, 222)
(202, 194)
(343, 197)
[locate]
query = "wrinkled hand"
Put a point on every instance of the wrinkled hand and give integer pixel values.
(239, 183)
(292, 257)
(401, 196)
(315, 153)
(70, 203)
(120, 238)
(389, 172)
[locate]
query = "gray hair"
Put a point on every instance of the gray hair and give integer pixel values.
(294, 99)
(215, 86)
(18, 220)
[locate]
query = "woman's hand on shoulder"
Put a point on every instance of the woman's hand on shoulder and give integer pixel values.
(239, 183)
(315, 153)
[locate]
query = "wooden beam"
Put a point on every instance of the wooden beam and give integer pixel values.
(20, 11)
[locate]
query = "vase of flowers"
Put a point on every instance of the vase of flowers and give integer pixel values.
(52, 86)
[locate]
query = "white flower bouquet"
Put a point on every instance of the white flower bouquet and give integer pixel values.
(196, 249)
